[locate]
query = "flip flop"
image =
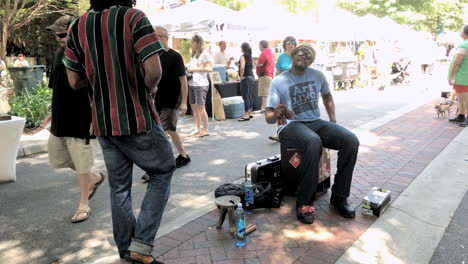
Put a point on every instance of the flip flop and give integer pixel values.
(81, 211)
(192, 133)
(202, 135)
(95, 187)
(274, 138)
(243, 119)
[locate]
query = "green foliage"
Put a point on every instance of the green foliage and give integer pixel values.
(27, 25)
(232, 4)
(428, 15)
(83, 6)
(185, 50)
(299, 6)
(34, 106)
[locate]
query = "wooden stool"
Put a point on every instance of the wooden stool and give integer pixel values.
(227, 204)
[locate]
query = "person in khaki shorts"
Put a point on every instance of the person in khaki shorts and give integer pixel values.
(265, 71)
(70, 144)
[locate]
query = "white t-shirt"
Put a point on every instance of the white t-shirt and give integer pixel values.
(220, 58)
(200, 78)
(23, 63)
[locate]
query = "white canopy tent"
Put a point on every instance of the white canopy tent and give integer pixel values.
(192, 18)
(211, 21)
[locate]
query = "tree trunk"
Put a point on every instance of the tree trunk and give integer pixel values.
(3, 43)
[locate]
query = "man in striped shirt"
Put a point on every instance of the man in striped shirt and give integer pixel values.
(116, 48)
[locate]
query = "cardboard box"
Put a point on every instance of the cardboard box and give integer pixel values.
(376, 202)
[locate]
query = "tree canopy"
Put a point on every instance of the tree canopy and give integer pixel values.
(433, 16)
(232, 4)
(23, 23)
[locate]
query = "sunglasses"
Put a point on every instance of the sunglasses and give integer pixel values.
(292, 42)
(304, 53)
(61, 35)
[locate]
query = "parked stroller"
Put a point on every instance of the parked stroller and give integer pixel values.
(399, 71)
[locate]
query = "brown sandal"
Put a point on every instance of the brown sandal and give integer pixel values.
(81, 211)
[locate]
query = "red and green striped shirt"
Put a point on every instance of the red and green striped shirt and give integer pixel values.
(110, 47)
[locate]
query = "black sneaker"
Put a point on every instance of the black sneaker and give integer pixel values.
(305, 214)
(182, 161)
(145, 178)
(464, 123)
(458, 119)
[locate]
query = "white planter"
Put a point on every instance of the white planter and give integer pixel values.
(10, 134)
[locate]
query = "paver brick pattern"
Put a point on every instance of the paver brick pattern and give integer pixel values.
(391, 156)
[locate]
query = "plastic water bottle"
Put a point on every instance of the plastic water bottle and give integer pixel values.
(249, 196)
(240, 226)
(181, 117)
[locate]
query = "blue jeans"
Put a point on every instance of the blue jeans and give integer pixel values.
(246, 86)
(152, 152)
(308, 138)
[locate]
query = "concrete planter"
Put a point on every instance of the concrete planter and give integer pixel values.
(10, 131)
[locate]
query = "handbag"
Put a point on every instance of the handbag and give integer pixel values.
(265, 195)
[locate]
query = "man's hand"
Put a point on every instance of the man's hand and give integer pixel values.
(451, 81)
(46, 120)
(282, 113)
(183, 109)
(154, 91)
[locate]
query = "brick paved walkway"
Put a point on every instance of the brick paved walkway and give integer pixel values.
(391, 156)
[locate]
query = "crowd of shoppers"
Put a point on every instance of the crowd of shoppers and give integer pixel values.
(132, 110)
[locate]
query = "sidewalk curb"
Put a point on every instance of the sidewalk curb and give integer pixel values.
(415, 222)
(37, 147)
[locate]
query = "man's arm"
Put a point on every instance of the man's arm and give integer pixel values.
(260, 65)
(184, 92)
(329, 106)
(261, 60)
(153, 72)
(456, 65)
(47, 119)
(75, 80)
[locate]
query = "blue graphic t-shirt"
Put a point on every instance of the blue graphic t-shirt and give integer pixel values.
(299, 93)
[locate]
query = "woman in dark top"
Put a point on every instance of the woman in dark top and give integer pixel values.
(247, 80)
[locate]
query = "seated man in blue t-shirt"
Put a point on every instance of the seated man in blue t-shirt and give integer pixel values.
(293, 104)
